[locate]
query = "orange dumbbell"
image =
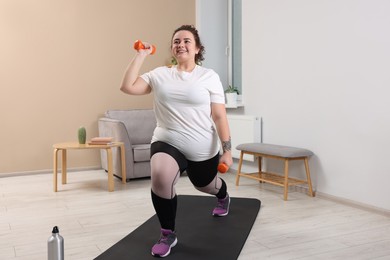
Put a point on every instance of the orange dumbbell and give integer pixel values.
(138, 45)
(223, 168)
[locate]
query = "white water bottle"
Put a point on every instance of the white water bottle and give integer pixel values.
(55, 246)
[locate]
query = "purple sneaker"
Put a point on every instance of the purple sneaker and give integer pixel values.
(163, 246)
(222, 208)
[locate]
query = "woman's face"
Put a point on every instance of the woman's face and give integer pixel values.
(184, 46)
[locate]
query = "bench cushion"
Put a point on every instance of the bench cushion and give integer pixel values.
(275, 150)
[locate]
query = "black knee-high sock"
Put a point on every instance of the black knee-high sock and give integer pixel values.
(165, 210)
(222, 191)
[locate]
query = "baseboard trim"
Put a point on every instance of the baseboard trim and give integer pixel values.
(347, 202)
(48, 171)
(352, 203)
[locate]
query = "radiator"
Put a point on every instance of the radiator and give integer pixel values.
(244, 129)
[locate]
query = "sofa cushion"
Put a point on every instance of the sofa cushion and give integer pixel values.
(141, 152)
(139, 123)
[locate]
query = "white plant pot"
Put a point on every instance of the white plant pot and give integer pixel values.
(231, 99)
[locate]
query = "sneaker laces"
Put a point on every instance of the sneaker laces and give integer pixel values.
(221, 203)
(163, 240)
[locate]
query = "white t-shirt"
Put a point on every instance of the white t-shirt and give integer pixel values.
(182, 103)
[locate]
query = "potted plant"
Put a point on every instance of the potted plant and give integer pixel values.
(231, 95)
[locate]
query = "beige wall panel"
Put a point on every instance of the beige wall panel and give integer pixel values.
(61, 66)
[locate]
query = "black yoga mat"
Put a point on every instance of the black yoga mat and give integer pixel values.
(199, 234)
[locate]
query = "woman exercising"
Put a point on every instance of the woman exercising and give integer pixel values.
(191, 118)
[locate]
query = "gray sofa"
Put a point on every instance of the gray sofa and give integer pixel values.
(135, 129)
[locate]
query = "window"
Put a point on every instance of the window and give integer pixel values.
(219, 25)
(235, 71)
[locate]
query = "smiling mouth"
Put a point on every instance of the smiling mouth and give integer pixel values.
(181, 51)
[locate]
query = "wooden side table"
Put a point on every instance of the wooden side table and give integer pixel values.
(63, 147)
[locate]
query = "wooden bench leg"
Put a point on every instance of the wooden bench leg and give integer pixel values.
(239, 168)
(285, 179)
(260, 166)
(308, 177)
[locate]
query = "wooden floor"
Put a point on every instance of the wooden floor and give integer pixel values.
(91, 219)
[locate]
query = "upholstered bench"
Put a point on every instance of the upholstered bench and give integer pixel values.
(285, 153)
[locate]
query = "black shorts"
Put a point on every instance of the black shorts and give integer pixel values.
(200, 173)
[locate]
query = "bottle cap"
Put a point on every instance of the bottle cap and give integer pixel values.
(55, 229)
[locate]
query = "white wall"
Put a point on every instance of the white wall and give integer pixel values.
(318, 72)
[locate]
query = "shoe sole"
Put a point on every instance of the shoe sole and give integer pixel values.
(169, 250)
(221, 215)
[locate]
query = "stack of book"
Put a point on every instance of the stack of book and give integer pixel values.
(101, 140)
